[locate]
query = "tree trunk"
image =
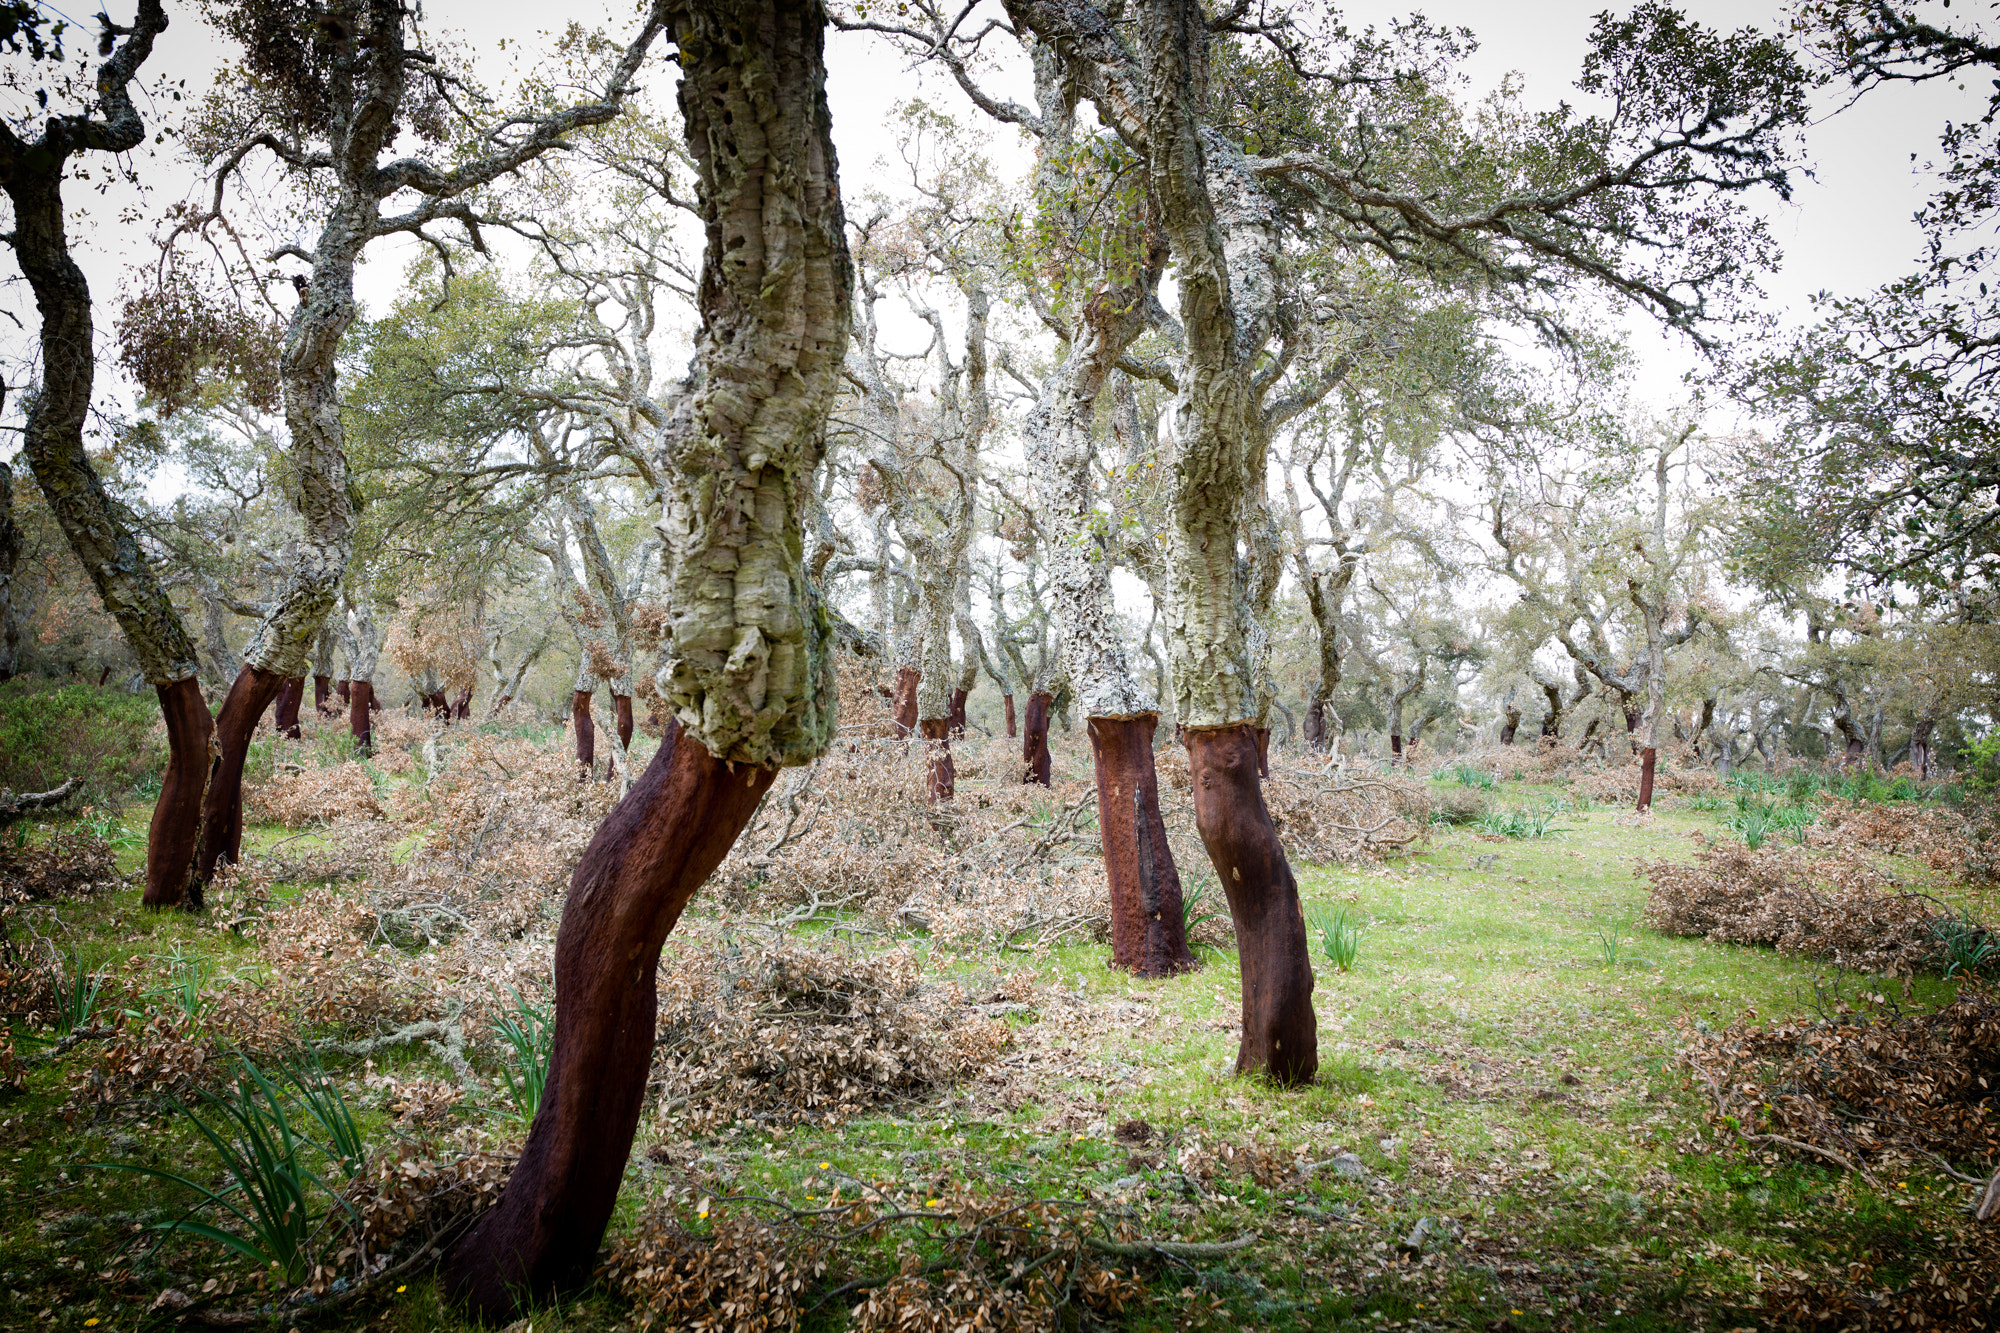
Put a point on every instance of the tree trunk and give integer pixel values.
(174, 838)
(10, 559)
(222, 806)
(1648, 759)
(1035, 739)
(940, 774)
(1395, 748)
(586, 733)
(1263, 735)
(344, 691)
(461, 708)
(622, 704)
(1315, 725)
(1280, 1031)
(1920, 746)
(322, 690)
(1008, 701)
(1148, 934)
(644, 865)
(1511, 725)
(956, 716)
(906, 701)
(286, 716)
(360, 700)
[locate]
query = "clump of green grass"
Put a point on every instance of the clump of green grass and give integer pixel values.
(78, 996)
(529, 1031)
(274, 1203)
(1521, 823)
(1339, 934)
(1193, 913)
(1758, 818)
(1967, 947)
(1465, 775)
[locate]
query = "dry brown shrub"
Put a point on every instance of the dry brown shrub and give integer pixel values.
(1619, 785)
(785, 1034)
(1942, 838)
(743, 1277)
(1832, 905)
(313, 796)
(422, 1187)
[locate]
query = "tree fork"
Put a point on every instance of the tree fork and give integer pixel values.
(1148, 933)
(1280, 1032)
(647, 860)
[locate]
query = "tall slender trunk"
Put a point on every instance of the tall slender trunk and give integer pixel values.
(222, 807)
(586, 733)
(360, 702)
(173, 840)
(1008, 701)
(1035, 760)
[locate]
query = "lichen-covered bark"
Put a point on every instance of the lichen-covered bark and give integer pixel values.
(747, 670)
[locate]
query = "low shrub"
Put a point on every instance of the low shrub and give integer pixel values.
(49, 732)
(1460, 805)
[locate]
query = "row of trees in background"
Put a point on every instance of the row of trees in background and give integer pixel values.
(1373, 474)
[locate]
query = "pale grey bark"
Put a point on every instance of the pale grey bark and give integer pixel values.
(748, 670)
(363, 638)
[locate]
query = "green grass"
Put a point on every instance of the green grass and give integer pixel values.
(1502, 1057)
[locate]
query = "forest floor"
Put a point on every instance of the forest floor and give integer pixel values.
(1501, 1135)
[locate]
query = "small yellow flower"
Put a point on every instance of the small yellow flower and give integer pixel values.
(400, 1290)
(90, 1322)
(825, 1165)
(930, 1203)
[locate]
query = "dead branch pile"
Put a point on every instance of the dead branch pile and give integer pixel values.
(1831, 905)
(1866, 1085)
(1323, 817)
(1619, 785)
(65, 864)
(303, 797)
(1963, 845)
(784, 1034)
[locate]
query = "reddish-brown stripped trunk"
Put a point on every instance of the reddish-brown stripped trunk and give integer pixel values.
(1648, 757)
(461, 709)
(622, 703)
(649, 857)
(1395, 748)
(286, 716)
(956, 715)
(434, 704)
(1035, 740)
(1920, 746)
(586, 733)
(344, 690)
(1315, 724)
(1511, 725)
(222, 804)
(322, 690)
(1263, 735)
(175, 833)
(1008, 700)
(1280, 1033)
(905, 701)
(360, 699)
(940, 773)
(1148, 935)
(1856, 749)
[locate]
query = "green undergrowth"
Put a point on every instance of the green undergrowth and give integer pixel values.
(1500, 1136)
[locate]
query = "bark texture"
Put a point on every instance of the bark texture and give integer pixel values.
(1007, 700)
(904, 702)
(646, 862)
(286, 716)
(586, 733)
(1280, 1032)
(1648, 763)
(360, 698)
(622, 706)
(1148, 936)
(1035, 740)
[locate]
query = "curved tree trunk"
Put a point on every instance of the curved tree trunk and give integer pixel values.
(1280, 1032)
(222, 807)
(173, 840)
(586, 733)
(1148, 933)
(747, 672)
(646, 862)
(1035, 740)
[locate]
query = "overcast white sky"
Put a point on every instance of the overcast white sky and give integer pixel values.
(1849, 229)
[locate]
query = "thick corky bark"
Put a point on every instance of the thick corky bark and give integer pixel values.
(747, 669)
(1148, 936)
(1280, 1033)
